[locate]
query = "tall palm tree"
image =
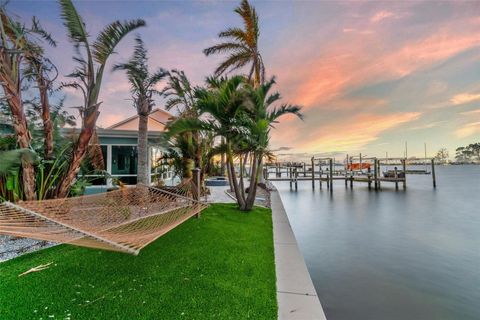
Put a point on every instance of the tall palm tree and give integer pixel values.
(242, 46)
(18, 45)
(88, 75)
(143, 88)
(43, 72)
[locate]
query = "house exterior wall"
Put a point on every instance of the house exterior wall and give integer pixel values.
(133, 125)
(120, 154)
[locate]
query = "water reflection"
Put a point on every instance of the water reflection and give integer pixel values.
(393, 254)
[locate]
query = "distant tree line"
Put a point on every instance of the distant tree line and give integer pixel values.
(469, 153)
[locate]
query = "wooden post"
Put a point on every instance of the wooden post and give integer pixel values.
(369, 175)
(351, 179)
(404, 164)
(196, 183)
(304, 169)
(396, 177)
(296, 179)
(290, 176)
(375, 173)
(327, 178)
(361, 163)
(313, 173)
(321, 173)
(379, 173)
(434, 180)
(331, 174)
(346, 172)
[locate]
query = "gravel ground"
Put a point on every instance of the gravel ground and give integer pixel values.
(11, 247)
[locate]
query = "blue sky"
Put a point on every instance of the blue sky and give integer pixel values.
(370, 75)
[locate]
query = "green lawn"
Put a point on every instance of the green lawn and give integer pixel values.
(220, 266)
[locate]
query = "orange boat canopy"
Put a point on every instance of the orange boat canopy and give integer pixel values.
(358, 166)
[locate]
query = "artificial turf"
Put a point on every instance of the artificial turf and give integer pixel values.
(220, 266)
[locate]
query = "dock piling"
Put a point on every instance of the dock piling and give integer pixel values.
(313, 173)
(396, 177)
(434, 180)
(331, 173)
(296, 178)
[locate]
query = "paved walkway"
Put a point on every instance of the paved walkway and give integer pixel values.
(218, 195)
(296, 295)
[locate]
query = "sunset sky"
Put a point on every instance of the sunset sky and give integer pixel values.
(370, 75)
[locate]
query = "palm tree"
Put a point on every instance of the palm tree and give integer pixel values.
(17, 45)
(88, 75)
(43, 72)
(143, 89)
(242, 46)
(180, 94)
(262, 116)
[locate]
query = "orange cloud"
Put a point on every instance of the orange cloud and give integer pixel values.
(463, 98)
(352, 135)
(468, 130)
(350, 62)
(472, 112)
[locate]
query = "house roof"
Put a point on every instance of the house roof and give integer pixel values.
(157, 120)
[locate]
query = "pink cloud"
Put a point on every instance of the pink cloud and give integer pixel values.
(381, 15)
(339, 135)
(349, 62)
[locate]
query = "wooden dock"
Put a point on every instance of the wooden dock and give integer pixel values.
(354, 170)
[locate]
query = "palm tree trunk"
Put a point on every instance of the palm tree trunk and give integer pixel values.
(20, 127)
(222, 160)
(242, 166)
(238, 193)
(142, 165)
(79, 152)
(47, 122)
(229, 177)
(198, 154)
(261, 178)
(252, 192)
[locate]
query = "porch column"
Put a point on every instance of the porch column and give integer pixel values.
(109, 165)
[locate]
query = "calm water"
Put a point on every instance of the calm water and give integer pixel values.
(411, 254)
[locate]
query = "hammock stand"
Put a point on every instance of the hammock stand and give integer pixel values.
(124, 220)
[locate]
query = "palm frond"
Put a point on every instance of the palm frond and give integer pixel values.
(73, 22)
(235, 33)
(39, 30)
(109, 37)
(233, 62)
(285, 109)
(157, 76)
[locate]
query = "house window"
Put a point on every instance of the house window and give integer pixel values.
(124, 160)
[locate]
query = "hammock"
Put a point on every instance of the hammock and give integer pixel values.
(124, 220)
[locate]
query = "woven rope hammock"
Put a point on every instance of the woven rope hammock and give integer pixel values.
(124, 220)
